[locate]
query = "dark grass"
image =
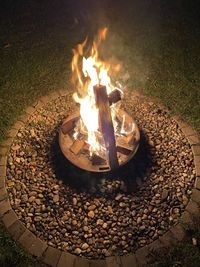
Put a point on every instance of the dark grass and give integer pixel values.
(12, 255)
(184, 254)
(157, 42)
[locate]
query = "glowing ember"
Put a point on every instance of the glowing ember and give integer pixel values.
(88, 72)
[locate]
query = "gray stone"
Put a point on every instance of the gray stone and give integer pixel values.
(196, 150)
(37, 247)
(178, 232)
(142, 255)
(168, 239)
(18, 125)
(44, 99)
(24, 117)
(16, 229)
(156, 245)
(52, 256)
(3, 160)
(2, 171)
(192, 208)
(197, 183)
(193, 139)
(197, 165)
(3, 150)
(186, 218)
(7, 142)
(3, 194)
(27, 239)
(66, 260)
(4, 206)
(188, 131)
(129, 261)
(9, 218)
(196, 196)
(113, 261)
(30, 110)
(81, 262)
(12, 132)
(62, 92)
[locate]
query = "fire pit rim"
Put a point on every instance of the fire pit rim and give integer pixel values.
(85, 164)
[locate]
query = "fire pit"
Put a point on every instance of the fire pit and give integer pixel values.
(101, 137)
(81, 212)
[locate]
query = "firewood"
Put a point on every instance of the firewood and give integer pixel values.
(97, 160)
(67, 141)
(123, 146)
(114, 96)
(68, 126)
(106, 125)
(77, 146)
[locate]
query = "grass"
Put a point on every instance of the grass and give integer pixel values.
(184, 254)
(12, 255)
(156, 41)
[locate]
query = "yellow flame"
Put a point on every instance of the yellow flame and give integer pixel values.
(86, 73)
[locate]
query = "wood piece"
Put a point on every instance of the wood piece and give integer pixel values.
(114, 96)
(68, 126)
(77, 146)
(67, 141)
(97, 160)
(106, 125)
(123, 146)
(130, 138)
(86, 147)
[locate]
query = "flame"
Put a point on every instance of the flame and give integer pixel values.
(86, 73)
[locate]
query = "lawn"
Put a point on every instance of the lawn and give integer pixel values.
(157, 43)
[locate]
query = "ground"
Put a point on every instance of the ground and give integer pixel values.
(157, 42)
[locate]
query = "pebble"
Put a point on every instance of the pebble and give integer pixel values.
(111, 218)
(78, 251)
(85, 228)
(171, 158)
(56, 198)
(91, 214)
(164, 194)
(92, 207)
(74, 200)
(118, 197)
(31, 199)
(38, 201)
(104, 225)
(100, 222)
(110, 210)
(85, 246)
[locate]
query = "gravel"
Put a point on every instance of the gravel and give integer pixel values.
(99, 215)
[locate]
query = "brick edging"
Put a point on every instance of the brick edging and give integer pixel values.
(58, 258)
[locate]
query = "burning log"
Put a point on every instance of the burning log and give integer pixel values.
(68, 126)
(77, 146)
(123, 146)
(106, 125)
(114, 97)
(97, 160)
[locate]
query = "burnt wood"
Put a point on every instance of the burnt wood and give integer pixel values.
(114, 97)
(106, 124)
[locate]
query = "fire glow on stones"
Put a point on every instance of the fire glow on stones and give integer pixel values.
(99, 136)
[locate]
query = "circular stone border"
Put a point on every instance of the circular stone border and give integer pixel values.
(58, 258)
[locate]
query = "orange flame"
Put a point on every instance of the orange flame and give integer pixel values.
(86, 73)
